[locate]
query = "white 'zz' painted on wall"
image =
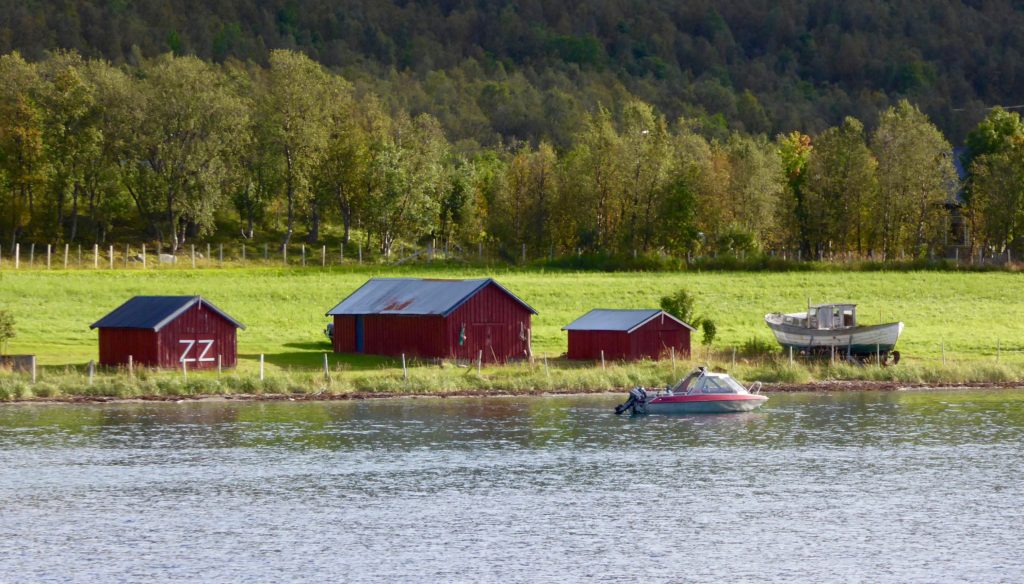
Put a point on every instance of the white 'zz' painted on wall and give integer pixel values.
(206, 345)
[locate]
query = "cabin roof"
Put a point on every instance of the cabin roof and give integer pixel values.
(414, 297)
(606, 319)
(155, 312)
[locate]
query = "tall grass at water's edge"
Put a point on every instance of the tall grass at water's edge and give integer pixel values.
(511, 379)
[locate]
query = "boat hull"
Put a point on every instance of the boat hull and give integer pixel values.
(860, 340)
(705, 404)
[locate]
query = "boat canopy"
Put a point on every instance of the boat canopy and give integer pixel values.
(717, 383)
(702, 381)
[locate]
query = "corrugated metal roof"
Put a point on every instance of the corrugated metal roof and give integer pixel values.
(414, 297)
(604, 319)
(155, 312)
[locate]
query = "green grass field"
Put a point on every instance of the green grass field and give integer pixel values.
(284, 310)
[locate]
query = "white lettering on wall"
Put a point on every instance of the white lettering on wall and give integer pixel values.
(206, 345)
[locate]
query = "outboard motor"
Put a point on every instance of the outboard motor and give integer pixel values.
(636, 402)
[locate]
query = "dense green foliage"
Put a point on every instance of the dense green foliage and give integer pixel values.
(807, 128)
(177, 149)
(529, 70)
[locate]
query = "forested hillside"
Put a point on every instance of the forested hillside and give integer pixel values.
(497, 70)
(606, 128)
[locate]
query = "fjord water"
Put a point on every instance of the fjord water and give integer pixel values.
(855, 487)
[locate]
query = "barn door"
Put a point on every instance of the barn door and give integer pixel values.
(197, 346)
(359, 334)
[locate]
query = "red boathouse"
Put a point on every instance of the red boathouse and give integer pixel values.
(446, 319)
(166, 331)
(627, 334)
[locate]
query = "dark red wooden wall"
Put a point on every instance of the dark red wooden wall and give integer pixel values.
(494, 323)
(208, 335)
(653, 340)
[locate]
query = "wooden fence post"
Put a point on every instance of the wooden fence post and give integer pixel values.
(184, 370)
(602, 359)
(127, 252)
(360, 253)
(673, 349)
(284, 254)
(323, 256)
(405, 370)
(33, 369)
(96, 256)
(131, 366)
(17, 256)
(261, 366)
(31, 255)
(47, 256)
(110, 251)
(79, 255)
(143, 256)
(220, 364)
(479, 361)
(327, 369)
(209, 259)
(92, 370)
(303, 255)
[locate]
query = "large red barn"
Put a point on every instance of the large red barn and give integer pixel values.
(445, 319)
(166, 331)
(627, 334)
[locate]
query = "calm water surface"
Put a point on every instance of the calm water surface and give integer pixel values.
(857, 487)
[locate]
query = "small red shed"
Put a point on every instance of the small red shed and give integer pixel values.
(459, 319)
(627, 334)
(166, 331)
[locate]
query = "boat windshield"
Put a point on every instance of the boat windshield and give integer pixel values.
(684, 383)
(718, 384)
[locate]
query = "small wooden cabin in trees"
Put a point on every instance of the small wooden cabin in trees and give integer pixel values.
(166, 331)
(627, 334)
(460, 319)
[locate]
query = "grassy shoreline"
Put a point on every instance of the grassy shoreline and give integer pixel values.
(447, 380)
(960, 328)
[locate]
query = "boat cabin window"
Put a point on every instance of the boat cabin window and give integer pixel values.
(718, 385)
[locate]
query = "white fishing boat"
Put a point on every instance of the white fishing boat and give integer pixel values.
(832, 329)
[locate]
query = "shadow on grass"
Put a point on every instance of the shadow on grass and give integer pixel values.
(314, 359)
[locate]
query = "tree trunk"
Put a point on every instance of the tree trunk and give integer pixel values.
(290, 195)
(314, 223)
(76, 193)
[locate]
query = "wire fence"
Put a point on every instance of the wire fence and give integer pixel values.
(210, 255)
(66, 256)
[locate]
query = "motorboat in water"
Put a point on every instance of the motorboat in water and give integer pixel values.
(700, 392)
(831, 330)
